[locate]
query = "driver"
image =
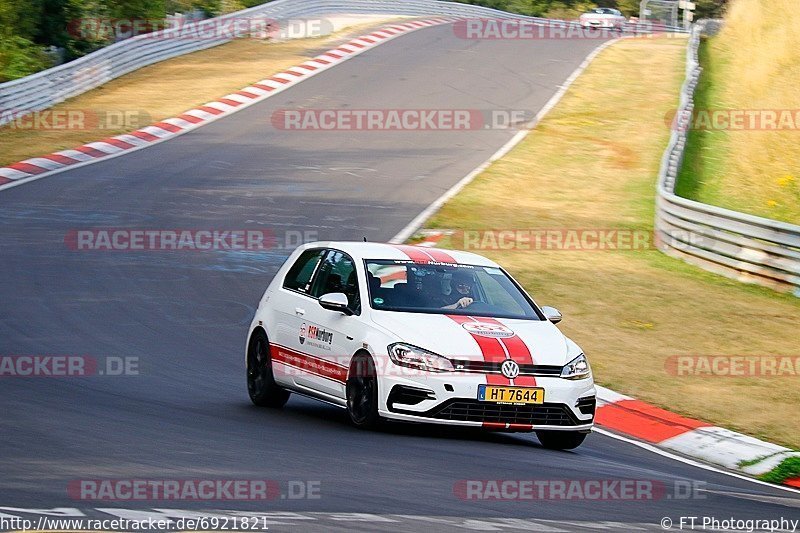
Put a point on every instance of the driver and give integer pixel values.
(461, 285)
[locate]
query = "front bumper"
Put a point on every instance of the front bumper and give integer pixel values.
(444, 398)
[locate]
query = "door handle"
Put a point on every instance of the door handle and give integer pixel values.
(299, 311)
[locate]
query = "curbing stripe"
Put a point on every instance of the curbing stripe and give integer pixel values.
(644, 421)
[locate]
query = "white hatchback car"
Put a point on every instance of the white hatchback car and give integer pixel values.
(603, 17)
(420, 335)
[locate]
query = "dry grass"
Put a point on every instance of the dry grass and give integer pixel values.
(754, 63)
(592, 164)
(171, 87)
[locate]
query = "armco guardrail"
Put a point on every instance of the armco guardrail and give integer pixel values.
(745, 247)
(49, 87)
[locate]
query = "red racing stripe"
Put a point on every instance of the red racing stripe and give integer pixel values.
(309, 363)
(415, 253)
(494, 350)
(518, 351)
(440, 255)
(3, 180)
(491, 350)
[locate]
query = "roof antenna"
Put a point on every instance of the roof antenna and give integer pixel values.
(365, 238)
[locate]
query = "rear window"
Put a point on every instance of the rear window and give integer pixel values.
(299, 276)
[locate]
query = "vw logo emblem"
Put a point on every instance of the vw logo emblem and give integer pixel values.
(509, 369)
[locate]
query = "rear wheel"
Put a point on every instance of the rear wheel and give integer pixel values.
(560, 440)
(261, 385)
(362, 393)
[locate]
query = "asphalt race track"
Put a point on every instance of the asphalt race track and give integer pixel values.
(184, 316)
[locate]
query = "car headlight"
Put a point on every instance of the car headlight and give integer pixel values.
(578, 368)
(414, 357)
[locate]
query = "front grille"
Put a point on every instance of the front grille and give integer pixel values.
(488, 367)
(549, 414)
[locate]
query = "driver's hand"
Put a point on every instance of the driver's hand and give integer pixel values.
(464, 302)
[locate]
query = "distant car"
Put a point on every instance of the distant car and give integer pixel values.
(417, 334)
(603, 17)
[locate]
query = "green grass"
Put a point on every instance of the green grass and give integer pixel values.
(788, 469)
(753, 64)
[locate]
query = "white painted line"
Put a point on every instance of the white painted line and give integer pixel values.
(416, 223)
(420, 219)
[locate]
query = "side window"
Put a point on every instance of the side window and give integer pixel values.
(337, 273)
(299, 276)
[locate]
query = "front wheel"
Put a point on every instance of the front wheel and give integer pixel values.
(362, 393)
(560, 440)
(261, 386)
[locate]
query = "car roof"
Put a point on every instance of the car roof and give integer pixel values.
(359, 251)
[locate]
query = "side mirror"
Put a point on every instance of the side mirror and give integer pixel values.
(552, 314)
(336, 301)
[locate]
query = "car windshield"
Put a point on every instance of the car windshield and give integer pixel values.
(445, 289)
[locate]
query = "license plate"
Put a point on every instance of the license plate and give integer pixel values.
(519, 395)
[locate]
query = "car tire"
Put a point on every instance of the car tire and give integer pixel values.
(362, 393)
(560, 440)
(261, 386)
